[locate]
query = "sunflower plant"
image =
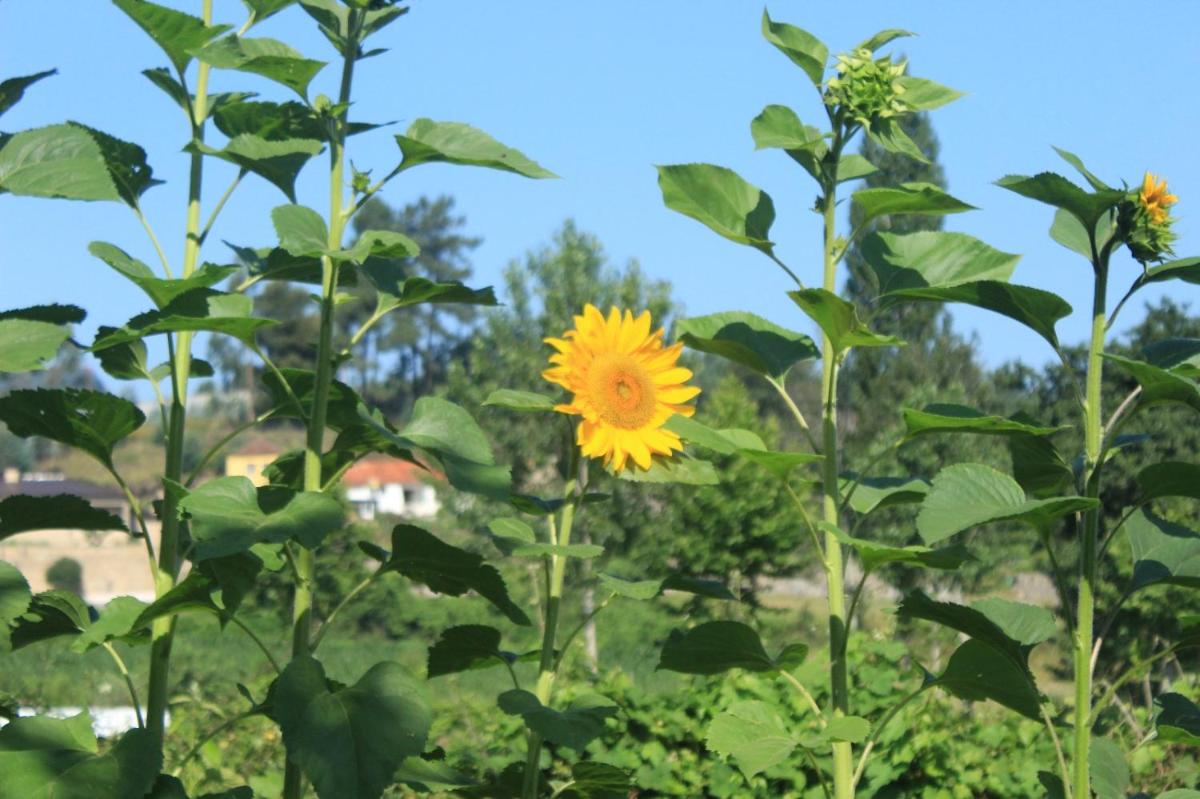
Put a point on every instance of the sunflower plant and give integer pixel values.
(866, 93)
(220, 537)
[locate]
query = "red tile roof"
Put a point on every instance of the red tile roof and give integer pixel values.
(382, 470)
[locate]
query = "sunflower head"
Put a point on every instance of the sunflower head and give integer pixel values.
(625, 384)
(1145, 220)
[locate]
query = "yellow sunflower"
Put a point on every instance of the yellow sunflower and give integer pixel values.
(1155, 198)
(625, 383)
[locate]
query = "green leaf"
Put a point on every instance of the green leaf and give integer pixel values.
(21, 514)
(576, 727)
(1028, 625)
(873, 554)
(91, 421)
(1038, 466)
(1180, 356)
(265, 8)
(883, 37)
(14, 600)
(385, 244)
(429, 776)
(1176, 720)
(873, 493)
(720, 199)
(715, 647)
(525, 401)
(349, 741)
(394, 289)
(301, 230)
(753, 734)
(592, 780)
(951, 418)
(853, 167)
(1068, 231)
(631, 589)
(278, 162)
(907, 198)
(197, 310)
(31, 337)
(178, 34)
(1036, 309)
(1163, 551)
(1055, 190)
(465, 648)
(51, 614)
(269, 58)
(695, 585)
(888, 134)
(924, 95)
(446, 569)
(680, 470)
(1169, 479)
(164, 80)
(992, 664)
(13, 89)
(1075, 161)
(1159, 386)
(724, 442)
(117, 621)
(47, 758)
(839, 320)
(449, 435)
(1185, 269)
(427, 142)
(966, 495)
(1109, 771)
(805, 50)
(779, 464)
(749, 340)
(229, 515)
(73, 162)
(777, 126)
(160, 290)
(931, 258)
(854, 729)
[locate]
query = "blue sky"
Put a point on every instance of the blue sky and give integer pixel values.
(599, 93)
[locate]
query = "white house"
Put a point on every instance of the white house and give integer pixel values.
(382, 485)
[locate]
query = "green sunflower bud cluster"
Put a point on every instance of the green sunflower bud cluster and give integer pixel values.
(1144, 221)
(867, 88)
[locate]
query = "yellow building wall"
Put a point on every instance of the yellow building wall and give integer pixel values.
(250, 466)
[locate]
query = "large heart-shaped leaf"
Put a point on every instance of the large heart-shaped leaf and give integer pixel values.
(73, 162)
(1159, 385)
(1170, 479)
(92, 421)
(427, 141)
(966, 495)
(1055, 190)
(350, 740)
(270, 58)
(749, 340)
(47, 758)
(278, 162)
(930, 258)
(753, 734)
(50, 614)
(464, 648)
(175, 32)
(1176, 719)
(777, 126)
(421, 557)
(1109, 771)
(14, 600)
(196, 310)
(720, 199)
(229, 515)
(396, 289)
(715, 647)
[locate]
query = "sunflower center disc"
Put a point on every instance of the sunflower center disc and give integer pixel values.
(624, 392)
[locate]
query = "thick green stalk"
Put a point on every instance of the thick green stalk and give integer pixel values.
(163, 631)
(1094, 431)
(302, 601)
(843, 756)
(546, 666)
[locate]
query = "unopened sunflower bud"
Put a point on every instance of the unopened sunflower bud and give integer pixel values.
(1144, 220)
